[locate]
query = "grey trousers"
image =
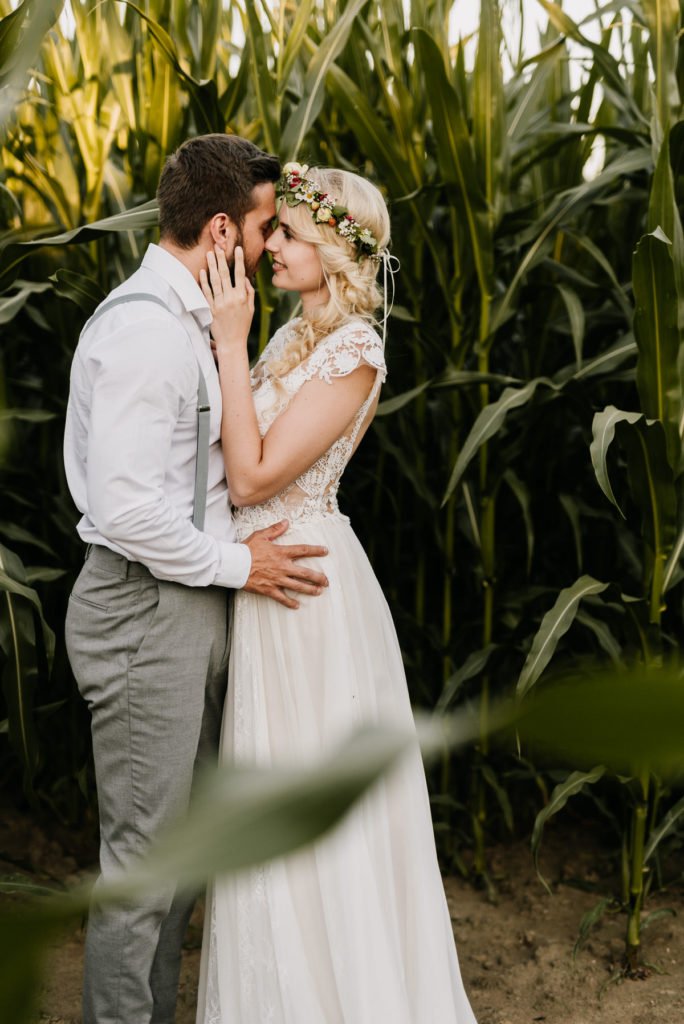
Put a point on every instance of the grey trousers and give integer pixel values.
(150, 658)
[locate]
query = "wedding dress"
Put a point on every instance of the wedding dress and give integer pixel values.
(355, 929)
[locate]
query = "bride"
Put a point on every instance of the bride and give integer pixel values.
(355, 929)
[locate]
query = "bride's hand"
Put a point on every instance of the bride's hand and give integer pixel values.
(232, 305)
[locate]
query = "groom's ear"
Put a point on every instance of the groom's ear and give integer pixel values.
(223, 233)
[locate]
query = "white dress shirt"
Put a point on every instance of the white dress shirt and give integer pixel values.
(131, 432)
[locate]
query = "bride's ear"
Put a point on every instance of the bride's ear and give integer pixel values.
(223, 233)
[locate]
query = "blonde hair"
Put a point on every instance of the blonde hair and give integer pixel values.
(354, 292)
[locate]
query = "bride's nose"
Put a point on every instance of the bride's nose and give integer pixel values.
(273, 242)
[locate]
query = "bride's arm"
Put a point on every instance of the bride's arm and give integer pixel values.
(319, 414)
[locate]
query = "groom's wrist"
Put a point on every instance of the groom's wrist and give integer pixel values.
(235, 565)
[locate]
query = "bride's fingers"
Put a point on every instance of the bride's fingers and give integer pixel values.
(224, 272)
(214, 276)
(239, 268)
(206, 290)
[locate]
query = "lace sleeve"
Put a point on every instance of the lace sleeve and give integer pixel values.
(344, 351)
(271, 351)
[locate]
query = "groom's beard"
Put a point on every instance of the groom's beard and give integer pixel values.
(250, 264)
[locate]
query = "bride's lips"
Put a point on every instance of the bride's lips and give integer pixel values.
(276, 266)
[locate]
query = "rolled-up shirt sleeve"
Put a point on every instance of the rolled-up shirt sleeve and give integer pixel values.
(143, 381)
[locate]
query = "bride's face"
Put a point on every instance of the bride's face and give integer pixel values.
(296, 264)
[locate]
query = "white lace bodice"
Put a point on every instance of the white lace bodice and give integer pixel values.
(314, 493)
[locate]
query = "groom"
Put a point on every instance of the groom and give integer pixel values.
(146, 628)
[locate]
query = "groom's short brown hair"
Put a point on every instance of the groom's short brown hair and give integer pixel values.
(207, 175)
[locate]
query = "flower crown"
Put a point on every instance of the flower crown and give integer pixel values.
(295, 188)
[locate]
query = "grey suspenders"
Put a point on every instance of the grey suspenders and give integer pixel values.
(203, 408)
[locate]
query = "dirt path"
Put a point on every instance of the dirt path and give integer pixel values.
(515, 954)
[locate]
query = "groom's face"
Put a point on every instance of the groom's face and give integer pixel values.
(257, 226)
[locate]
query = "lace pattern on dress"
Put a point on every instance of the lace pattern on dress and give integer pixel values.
(314, 494)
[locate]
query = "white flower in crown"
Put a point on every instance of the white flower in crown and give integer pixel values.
(323, 213)
(294, 168)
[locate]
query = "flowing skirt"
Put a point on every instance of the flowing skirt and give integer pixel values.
(354, 929)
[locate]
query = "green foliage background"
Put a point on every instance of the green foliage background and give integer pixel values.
(520, 494)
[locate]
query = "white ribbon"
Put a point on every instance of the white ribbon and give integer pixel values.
(390, 266)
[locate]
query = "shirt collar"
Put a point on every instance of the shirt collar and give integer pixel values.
(167, 266)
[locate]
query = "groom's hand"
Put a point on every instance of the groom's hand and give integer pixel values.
(276, 567)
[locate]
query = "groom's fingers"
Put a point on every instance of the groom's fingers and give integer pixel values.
(303, 551)
(277, 530)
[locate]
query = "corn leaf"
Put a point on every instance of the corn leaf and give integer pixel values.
(10, 305)
(203, 94)
(664, 828)
(603, 431)
(567, 205)
(574, 784)
(521, 493)
(27, 643)
(309, 107)
(657, 336)
(651, 483)
(575, 311)
(82, 290)
(488, 423)
(673, 566)
(21, 33)
(455, 155)
(604, 60)
(294, 42)
(554, 625)
(489, 120)
(474, 664)
(371, 132)
(262, 77)
(591, 919)
(663, 20)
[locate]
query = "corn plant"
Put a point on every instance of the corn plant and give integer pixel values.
(650, 439)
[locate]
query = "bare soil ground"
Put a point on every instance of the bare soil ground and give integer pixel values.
(516, 953)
